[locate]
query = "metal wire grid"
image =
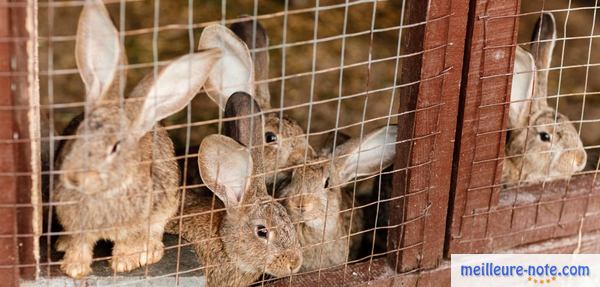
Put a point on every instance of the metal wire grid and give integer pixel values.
(523, 212)
(59, 100)
(569, 8)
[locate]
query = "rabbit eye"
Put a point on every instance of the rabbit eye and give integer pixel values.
(327, 183)
(270, 137)
(115, 147)
(261, 231)
(545, 137)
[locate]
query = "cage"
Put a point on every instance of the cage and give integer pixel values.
(271, 111)
(491, 213)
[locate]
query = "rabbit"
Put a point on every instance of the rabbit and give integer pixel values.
(542, 144)
(119, 180)
(322, 212)
(246, 232)
(328, 145)
(286, 143)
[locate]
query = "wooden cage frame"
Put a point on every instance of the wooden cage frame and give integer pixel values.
(478, 222)
(454, 113)
(19, 142)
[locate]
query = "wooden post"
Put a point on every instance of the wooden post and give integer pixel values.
(9, 255)
(18, 108)
(484, 101)
(429, 100)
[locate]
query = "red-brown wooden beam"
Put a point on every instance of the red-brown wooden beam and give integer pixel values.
(429, 98)
(539, 212)
(377, 273)
(9, 255)
(25, 82)
(16, 210)
(480, 143)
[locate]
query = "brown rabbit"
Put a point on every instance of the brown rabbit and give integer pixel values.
(315, 200)
(542, 144)
(286, 142)
(246, 232)
(119, 180)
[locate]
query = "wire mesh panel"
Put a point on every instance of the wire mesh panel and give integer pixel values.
(293, 142)
(238, 142)
(532, 185)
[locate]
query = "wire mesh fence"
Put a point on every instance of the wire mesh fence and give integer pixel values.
(281, 199)
(546, 187)
(290, 142)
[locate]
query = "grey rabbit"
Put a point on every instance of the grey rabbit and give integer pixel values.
(119, 180)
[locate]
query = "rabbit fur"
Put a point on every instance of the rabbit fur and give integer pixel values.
(325, 215)
(225, 231)
(542, 144)
(119, 180)
(286, 143)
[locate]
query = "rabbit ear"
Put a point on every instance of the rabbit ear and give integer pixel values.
(98, 51)
(226, 168)
(248, 130)
(543, 41)
(173, 88)
(255, 37)
(328, 145)
(234, 72)
(523, 82)
(371, 155)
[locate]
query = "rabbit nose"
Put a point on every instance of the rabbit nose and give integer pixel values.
(576, 158)
(82, 179)
(580, 160)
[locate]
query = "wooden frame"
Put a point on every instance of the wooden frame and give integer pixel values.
(428, 111)
(9, 257)
(480, 143)
(440, 276)
(485, 217)
(18, 159)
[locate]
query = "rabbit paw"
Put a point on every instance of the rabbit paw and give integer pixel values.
(75, 269)
(127, 259)
(125, 263)
(153, 255)
(78, 256)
